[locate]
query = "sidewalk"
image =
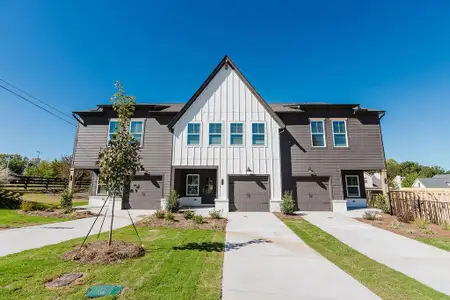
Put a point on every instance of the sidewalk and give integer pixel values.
(265, 260)
(20, 239)
(420, 261)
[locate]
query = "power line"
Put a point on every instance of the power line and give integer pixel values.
(31, 96)
(37, 105)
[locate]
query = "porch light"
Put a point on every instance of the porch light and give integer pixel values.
(311, 172)
(249, 170)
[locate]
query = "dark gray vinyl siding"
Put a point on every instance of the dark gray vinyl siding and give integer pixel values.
(365, 151)
(156, 152)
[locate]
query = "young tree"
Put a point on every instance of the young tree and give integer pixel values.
(120, 161)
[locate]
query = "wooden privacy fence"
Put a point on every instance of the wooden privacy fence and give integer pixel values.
(432, 205)
(41, 184)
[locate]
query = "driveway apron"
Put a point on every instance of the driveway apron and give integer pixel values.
(264, 259)
(420, 261)
(20, 239)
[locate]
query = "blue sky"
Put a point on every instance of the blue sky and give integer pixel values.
(392, 55)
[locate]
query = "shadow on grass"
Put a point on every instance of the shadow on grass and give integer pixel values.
(209, 247)
(219, 247)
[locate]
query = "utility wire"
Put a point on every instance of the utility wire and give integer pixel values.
(37, 105)
(31, 96)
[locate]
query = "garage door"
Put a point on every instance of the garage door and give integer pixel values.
(312, 193)
(149, 194)
(249, 193)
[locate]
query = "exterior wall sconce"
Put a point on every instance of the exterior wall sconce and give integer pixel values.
(249, 171)
(311, 172)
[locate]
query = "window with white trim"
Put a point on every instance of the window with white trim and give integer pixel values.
(112, 129)
(352, 185)
(318, 133)
(340, 133)
(258, 134)
(101, 187)
(137, 130)
(193, 134)
(215, 133)
(236, 134)
(192, 184)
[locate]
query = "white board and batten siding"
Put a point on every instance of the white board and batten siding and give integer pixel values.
(225, 100)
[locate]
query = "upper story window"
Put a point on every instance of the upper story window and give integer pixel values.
(318, 133)
(193, 134)
(112, 128)
(236, 134)
(215, 133)
(340, 133)
(352, 185)
(258, 134)
(136, 129)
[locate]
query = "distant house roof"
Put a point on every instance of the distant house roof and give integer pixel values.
(434, 183)
(443, 176)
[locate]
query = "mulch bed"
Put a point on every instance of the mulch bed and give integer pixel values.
(100, 253)
(288, 217)
(181, 222)
(58, 213)
(391, 223)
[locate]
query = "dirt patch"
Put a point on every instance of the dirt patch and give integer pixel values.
(392, 224)
(100, 253)
(288, 217)
(58, 213)
(181, 222)
(63, 280)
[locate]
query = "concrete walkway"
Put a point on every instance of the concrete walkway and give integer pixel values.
(20, 239)
(420, 261)
(264, 259)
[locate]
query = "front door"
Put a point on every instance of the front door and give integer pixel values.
(208, 190)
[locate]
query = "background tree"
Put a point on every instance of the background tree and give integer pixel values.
(120, 161)
(15, 163)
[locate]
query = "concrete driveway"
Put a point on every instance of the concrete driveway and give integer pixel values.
(420, 261)
(264, 259)
(20, 239)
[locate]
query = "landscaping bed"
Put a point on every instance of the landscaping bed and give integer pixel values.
(420, 230)
(385, 282)
(58, 213)
(180, 222)
(176, 265)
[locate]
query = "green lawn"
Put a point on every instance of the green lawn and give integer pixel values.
(382, 280)
(10, 218)
(78, 199)
(442, 243)
(179, 264)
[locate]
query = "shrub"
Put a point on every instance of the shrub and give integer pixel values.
(395, 225)
(159, 214)
(198, 219)
(173, 202)
(188, 214)
(287, 203)
(406, 216)
(66, 199)
(27, 206)
(380, 203)
(169, 216)
(421, 223)
(427, 231)
(370, 215)
(215, 214)
(445, 226)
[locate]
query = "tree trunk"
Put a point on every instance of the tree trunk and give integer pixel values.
(112, 221)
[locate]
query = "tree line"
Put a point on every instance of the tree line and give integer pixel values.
(411, 171)
(17, 164)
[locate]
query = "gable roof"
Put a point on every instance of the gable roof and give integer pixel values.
(226, 61)
(434, 183)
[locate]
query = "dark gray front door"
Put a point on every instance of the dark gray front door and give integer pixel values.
(249, 193)
(312, 193)
(149, 194)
